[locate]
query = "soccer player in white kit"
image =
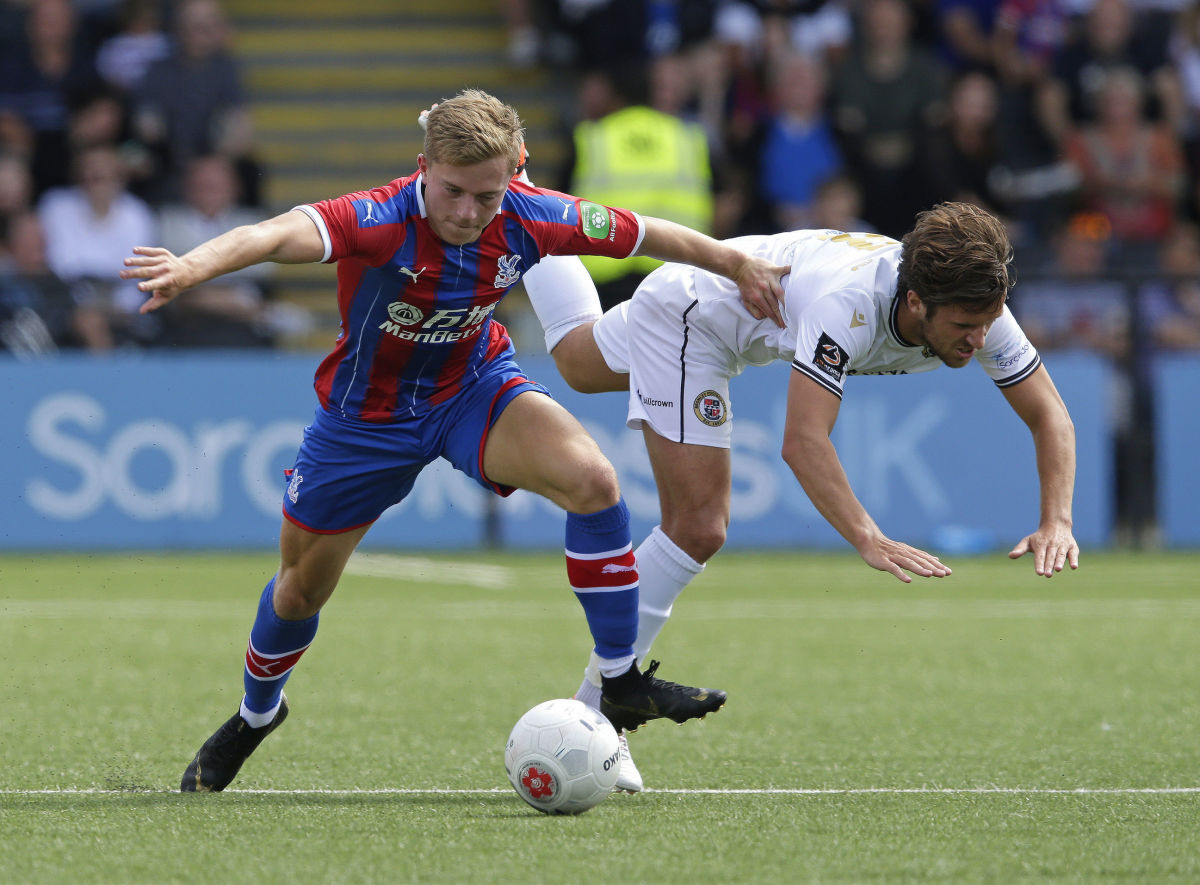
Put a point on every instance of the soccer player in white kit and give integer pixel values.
(854, 304)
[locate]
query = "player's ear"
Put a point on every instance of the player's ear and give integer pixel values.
(422, 164)
(914, 303)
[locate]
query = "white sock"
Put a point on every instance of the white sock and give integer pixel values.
(258, 720)
(589, 689)
(663, 571)
(562, 294)
(614, 666)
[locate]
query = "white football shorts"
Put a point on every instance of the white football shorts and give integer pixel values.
(678, 373)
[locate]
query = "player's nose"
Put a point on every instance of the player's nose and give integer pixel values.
(466, 212)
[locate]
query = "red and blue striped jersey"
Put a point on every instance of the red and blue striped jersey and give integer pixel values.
(416, 312)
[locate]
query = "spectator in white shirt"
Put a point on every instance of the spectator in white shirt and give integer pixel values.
(90, 228)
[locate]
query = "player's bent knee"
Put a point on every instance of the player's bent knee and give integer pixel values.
(593, 487)
(296, 600)
(699, 539)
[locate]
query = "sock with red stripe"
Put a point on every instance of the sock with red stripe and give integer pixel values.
(664, 570)
(274, 648)
(603, 574)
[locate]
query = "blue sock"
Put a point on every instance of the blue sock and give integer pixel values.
(603, 574)
(274, 648)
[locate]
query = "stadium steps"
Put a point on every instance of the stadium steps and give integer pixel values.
(335, 89)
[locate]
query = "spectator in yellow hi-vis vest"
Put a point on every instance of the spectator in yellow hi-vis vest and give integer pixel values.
(653, 162)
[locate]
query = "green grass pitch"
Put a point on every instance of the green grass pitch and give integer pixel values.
(990, 727)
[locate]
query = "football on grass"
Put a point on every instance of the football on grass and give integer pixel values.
(562, 757)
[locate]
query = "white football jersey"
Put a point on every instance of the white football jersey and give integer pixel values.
(840, 309)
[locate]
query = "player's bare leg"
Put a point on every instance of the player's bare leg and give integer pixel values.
(537, 445)
(693, 485)
(693, 493)
(310, 566)
(582, 366)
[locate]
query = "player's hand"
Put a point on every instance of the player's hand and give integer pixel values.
(423, 117)
(898, 559)
(1052, 548)
(760, 283)
(161, 272)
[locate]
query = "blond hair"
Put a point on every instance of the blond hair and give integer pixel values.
(957, 253)
(473, 127)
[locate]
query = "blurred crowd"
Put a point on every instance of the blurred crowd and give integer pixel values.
(1077, 121)
(122, 122)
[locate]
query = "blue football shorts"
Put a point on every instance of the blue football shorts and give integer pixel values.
(348, 472)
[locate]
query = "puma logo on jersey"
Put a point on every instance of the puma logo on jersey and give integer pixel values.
(567, 204)
(371, 214)
(413, 274)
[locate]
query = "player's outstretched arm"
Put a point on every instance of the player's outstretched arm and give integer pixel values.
(291, 238)
(1037, 401)
(807, 449)
(757, 279)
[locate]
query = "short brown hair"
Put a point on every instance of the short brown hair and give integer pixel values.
(956, 254)
(473, 127)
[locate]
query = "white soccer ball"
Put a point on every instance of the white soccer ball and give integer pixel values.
(562, 757)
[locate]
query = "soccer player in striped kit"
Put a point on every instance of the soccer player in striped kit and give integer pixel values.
(421, 370)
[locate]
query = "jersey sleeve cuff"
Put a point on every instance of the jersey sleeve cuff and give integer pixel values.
(319, 220)
(1021, 375)
(817, 376)
(641, 235)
